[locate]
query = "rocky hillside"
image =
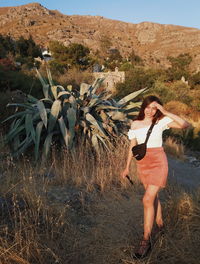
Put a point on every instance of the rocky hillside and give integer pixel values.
(153, 42)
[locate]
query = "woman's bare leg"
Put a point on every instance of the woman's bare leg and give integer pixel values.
(158, 212)
(149, 210)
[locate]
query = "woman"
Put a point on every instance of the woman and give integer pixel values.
(153, 168)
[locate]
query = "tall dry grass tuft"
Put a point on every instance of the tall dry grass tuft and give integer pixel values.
(174, 148)
(90, 169)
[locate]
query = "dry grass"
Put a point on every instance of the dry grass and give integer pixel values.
(76, 209)
(75, 76)
(174, 148)
(179, 108)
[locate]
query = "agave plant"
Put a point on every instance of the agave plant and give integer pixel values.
(64, 115)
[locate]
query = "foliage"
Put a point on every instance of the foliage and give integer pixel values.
(105, 44)
(163, 90)
(182, 91)
(17, 80)
(179, 66)
(7, 45)
(27, 48)
(21, 50)
(65, 116)
(182, 61)
(74, 55)
(135, 59)
(113, 60)
(126, 66)
(195, 79)
(137, 78)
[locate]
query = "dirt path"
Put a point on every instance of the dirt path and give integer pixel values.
(184, 174)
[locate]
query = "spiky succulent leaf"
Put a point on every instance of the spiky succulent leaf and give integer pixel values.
(131, 96)
(47, 144)
(95, 123)
(45, 85)
(71, 116)
(29, 126)
(37, 139)
(42, 112)
(55, 110)
(84, 87)
(64, 131)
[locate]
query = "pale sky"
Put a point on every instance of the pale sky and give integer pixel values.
(176, 12)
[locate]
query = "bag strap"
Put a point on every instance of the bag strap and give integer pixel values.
(149, 132)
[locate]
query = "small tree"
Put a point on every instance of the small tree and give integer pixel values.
(179, 66)
(75, 55)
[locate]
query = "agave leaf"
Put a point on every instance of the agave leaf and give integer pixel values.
(45, 85)
(67, 94)
(94, 122)
(103, 116)
(101, 107)
(55, 110)
(64, 131)
(37, 138)
(117, 115)
(42, 80)
(24, 145)
(95, 142)
(84, 87)
(71, 116)
(66, 106)
(73, 102)
(43, 112)
(16, 142)
(104, 95)
(32, 99)
(15, 115)
(46, 91)
(94, 101)
(114, 127)
(97, 83)
(29, 126)
(103, 141)
(16, 123)
(132, 105)
(25, 105)
(48, 100)
(131, 96)
(14, 132)
(54, 91)
(69, 88)
(47, 144)
(49, 77)
(131, 113)
(60, 88)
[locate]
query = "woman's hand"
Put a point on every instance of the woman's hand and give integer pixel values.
(125, 173)
(161, 108)
(177, 122)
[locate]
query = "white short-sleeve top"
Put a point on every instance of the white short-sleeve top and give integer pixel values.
(155, 139)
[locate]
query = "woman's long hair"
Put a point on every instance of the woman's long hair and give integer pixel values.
(148, 100)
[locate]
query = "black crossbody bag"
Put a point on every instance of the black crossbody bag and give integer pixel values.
(139, 150)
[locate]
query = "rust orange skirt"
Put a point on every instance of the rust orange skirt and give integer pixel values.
(153, 168)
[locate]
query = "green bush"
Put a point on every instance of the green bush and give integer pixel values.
(18, 80)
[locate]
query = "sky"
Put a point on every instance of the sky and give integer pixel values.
(177, 12)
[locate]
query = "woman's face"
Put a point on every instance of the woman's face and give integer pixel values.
(150, 110)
